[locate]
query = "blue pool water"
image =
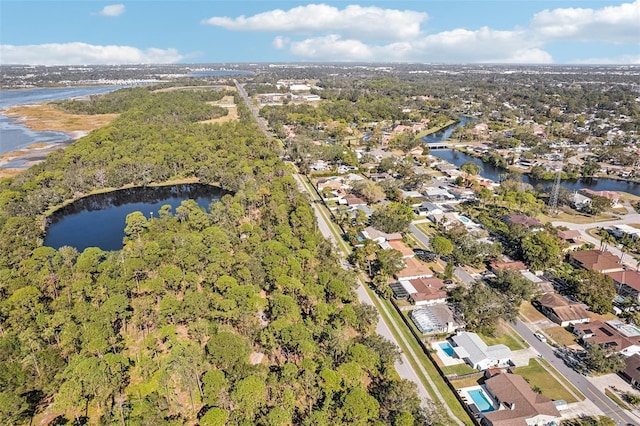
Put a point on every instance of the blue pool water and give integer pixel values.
(481, 401)
(447, 349)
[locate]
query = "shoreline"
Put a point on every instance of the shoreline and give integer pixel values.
(527, 172)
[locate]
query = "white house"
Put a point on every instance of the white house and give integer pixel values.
(476, 353)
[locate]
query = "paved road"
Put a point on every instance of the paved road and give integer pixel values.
(403, 366)
(591, 392)
(629, 218)
(419, 235)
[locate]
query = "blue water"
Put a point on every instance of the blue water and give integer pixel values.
(444, 134)
(497, 174)
(99, 220)
(447, 349)
(481, 401)
(16, 136)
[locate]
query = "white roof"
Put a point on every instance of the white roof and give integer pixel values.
(470, 345)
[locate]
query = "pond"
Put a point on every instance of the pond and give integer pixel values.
(99, 220)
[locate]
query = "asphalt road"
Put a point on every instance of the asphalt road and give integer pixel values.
(582, 383)
(403, 366)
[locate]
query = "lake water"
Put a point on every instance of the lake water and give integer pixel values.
(99, 220)
(497, 174)
(16, 136)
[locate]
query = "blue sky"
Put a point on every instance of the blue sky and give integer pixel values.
(217, 31)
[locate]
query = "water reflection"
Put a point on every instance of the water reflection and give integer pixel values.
(99, 220)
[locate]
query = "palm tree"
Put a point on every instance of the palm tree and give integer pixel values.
(605, 239)
(627, 243)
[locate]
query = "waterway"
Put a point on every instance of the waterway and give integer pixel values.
(99, 220)
(497, 174)
(15, 136)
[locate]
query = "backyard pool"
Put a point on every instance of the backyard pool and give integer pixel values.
(447, 349)
(481, 400)
(463, 219)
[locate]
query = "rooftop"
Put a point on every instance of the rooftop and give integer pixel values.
(596, 260)
(521, 401)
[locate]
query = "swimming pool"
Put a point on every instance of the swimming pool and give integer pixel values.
(481, 400)
(447, 349)
(463, 219)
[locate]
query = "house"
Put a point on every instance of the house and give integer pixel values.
(521, 219)
(476, 353)
(614, 335)
(401, 247)
(353, 200)
(437, 195)
(631, 370)
(414, 269)
(496, 266)
(519, 404)
(611, 195)
(378, 177)
(425, 291)
(572, 237)
(596, 260)
(579, 201)
(428, 209)
(562, 311)
(620, 231)
(377, 235)
(627, 283)
(434, 319)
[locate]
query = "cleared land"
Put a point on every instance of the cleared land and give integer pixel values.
(225, 102)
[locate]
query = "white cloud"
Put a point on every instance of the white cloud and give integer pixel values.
(112, 10)
(611, 24)
(321, 32)
(484, 45)
(367, 23)
(82, 53)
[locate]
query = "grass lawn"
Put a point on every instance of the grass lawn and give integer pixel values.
(575, 217)
(560, 335)
(467, 381)
(426, 228)
(530, 312)
(536, 375)
(459, 369)
(506, 336)
(616, 399)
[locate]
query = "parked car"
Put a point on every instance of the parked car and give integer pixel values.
(540, 337)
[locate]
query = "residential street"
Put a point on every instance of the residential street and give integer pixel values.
(629, 218)
(403, 367)
(582, 383)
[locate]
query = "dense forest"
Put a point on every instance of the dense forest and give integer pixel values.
(236, 315)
